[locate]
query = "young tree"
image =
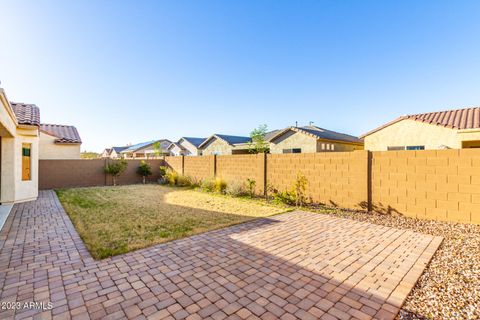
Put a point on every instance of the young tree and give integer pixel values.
(144, 170)
(157, 149)
(259, 144)
(115, 169)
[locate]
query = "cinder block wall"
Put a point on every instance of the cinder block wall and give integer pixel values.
(174, 163)
(239, 168)
(430, 184)
(334, 178)
(85, 173)
(199, 168)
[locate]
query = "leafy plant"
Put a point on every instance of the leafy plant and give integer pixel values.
(259, 144)
(115, 169)
(251, 183)
(145, 170)
(220, 185)
(156, 148)
(171, 177)
(299, 188)
(208, 185)
(184, 181)
(162, 171)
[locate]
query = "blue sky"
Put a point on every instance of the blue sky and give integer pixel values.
(130, 71)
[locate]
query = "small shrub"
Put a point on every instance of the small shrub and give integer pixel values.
(286, 197)
(145, 170)
(115, 169)
(162, 171)
(299, 188)
(171, 177)
(207, 185)
(236, 189)
(184, 181)
(220, 185)
(251, 183)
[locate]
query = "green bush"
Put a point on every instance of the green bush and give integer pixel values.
(236, 189)
(162, 171)
(251, 183)
(145, 170)
(220, 185)
(183, 181)
(208, 185)
(171, 177)
(295, 196)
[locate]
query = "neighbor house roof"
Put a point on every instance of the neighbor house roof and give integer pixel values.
(318, 133)
(143, 145)
(228, 139)
(26, 113)
(108, 150)
(195, 141)
(175, 144)
(119, 149)
(460, 119)
(65, 134)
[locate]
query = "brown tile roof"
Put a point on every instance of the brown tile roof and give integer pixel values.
(65, 134)
(459, 119)
(26, 113)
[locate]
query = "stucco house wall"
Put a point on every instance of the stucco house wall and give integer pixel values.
(216, 146)
(292, 139)
(191, 150)
(12, 188)
(409, 132)
(51, 150)
(326, 145)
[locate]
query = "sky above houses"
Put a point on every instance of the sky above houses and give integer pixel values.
(131, 71)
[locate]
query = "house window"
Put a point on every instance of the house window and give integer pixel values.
(294, 150)
(396, 148)
(26, 161)
(415, 147)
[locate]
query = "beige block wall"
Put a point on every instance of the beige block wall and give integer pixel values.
(51, 150)
(239, 168)
(218, 147)
(430, 184)
(334, 178)
(199, 167)
(174, 163)
(412, 133)
(293, 139)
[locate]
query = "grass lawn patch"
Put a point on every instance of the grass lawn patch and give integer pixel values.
(116, 220)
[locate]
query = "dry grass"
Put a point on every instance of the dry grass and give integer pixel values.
(116, 220)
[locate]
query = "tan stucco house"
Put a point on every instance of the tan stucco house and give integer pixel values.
(59, 142)
(311, 139)
(19, 149)
(220, 144)
(146, 150)
(451, 129)
(186, 146)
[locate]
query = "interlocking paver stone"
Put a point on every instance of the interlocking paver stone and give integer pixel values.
(294, 265)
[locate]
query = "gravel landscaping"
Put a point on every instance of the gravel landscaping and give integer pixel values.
(450, 286)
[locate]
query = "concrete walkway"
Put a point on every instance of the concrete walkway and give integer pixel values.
(295, 265)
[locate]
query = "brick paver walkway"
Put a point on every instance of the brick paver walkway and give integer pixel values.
(295, 265)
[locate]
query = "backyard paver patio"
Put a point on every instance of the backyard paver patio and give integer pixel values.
(293, 265)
